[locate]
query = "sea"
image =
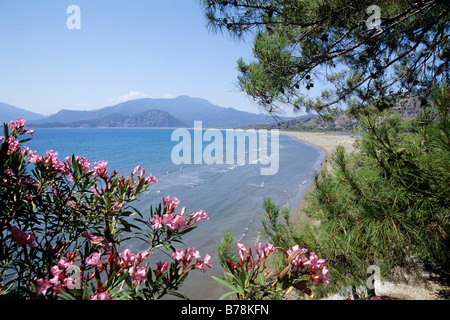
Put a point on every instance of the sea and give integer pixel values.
(231, 193)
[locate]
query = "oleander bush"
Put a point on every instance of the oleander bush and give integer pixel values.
(62, 223)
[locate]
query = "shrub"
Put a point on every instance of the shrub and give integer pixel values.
(249, 279)
(62, 223)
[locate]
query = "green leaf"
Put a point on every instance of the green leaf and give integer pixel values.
(225, 283)
(66, 296)
(226, 295)
(261, 279)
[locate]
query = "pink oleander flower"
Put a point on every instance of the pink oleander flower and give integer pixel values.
(117, 206)
(299, 259)
(323, 277)
(178, 222)
(100, 168)
(206, 262)
(171, 204)
(102, 296)
(179, 255)
(138, 274)
(136, 170)
(199, 215)
(161, 267)
(151, 178)
(141, 174)
(267, 249)
(33, 156)
(141, 256)
(64, 263)
(43, 285)
(57, 274)
(71, 203)
(18, 124)
(84, 163)
(314, 262)
(127, 257)
(13, 145)
(171, 221)
(22, 238)
(187, 256)
(52, 163)
(242, 249)
(157, 222)
(95, 261)
(193, 253)
(91, 237)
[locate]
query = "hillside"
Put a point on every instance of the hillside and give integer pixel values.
(9, 112)
(151, 118)
(407, 108)
(184, 108)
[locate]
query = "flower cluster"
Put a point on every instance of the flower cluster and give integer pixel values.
(52, 163)
(252, 280)
(19, 127)
(249, 262)
(313, 266)
(176, 221)
(62, 276)
(22, 238)
(186, 258)
(132, 263)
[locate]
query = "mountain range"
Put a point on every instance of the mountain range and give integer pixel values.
(148, 112)
(9, 112)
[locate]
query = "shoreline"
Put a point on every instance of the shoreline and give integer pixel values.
(327, 142)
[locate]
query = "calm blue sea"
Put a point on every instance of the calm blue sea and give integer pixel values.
(231, 194)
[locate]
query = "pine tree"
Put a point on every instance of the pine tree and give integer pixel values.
(356, 51)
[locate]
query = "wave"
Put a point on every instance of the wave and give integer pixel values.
(258, 185)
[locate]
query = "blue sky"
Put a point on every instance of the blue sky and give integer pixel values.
(125, 49)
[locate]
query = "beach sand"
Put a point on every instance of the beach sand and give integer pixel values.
(326, 141)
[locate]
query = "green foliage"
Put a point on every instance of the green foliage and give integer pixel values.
(388, 204)
(62, 224)
(276, 223)
(249, 278)
(299, 43)
(246, 281)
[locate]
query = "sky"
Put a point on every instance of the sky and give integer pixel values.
(124, 49)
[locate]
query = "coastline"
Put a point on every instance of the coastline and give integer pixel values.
(327, 142)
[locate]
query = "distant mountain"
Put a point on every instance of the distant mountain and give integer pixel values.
(150, 118)
(184, 108)
(9, 112)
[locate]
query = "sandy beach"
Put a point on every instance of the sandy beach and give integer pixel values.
(326, 141)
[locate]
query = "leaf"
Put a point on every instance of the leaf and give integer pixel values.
(271, 274)
(226, 295)
(66, 296)
(261, 279)
(294, 255)
(225, 283)
(284, 273)
(178, 294)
